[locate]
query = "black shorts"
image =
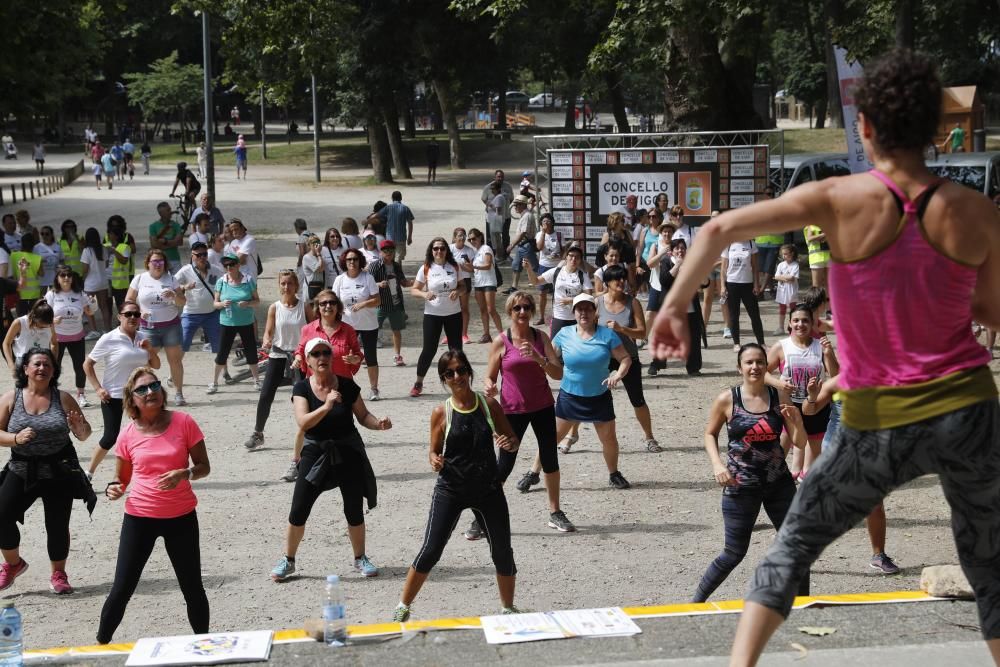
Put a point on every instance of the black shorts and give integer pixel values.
(815, 424)
(487, 288)
(655, 299)
(468, 285)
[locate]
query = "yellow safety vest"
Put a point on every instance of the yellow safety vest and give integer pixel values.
(819, 251)
(120, 270)
(71, 255)
(32, 288)
(770, 240)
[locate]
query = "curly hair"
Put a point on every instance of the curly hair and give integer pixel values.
(355, 252)
(21, 375)
(900, 95)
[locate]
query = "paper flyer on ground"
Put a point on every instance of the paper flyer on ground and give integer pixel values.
(210, 649)
(515, 628)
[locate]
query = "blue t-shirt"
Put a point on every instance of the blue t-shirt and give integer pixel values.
(241, 153)
(235, 316)
(117, 152)
(585, 362)
(396, 216)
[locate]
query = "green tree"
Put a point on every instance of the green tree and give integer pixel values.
(167, 88)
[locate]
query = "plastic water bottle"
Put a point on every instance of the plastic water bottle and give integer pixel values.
(11, 645)
(334, 618)
(229, 311)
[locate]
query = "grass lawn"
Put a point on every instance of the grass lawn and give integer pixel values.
(831, 140)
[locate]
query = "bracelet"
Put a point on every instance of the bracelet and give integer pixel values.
(191, 473)
(810, 401)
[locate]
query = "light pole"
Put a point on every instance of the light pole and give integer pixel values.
(263, 127)
(316, 123)
(209, 120)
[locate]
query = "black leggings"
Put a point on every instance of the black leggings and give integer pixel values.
(15, 501)
(273, 376)
(735, 293)
(543, 424)
(77, 352)
(118, 295)
(138, 537)
(248, 336)
(693, 362)
(492, 515)
(632, 382)
(111, 413)
(739, 512)
(352, 490)
(369, 344)
(452, 325)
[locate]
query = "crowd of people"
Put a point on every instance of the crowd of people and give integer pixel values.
(794, 401)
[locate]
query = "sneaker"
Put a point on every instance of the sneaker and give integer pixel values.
(528, 480)
(506, 611)
(736, 348)
(475, 532)
(618, 481)
(293, 472)
(641, 343)
(652, 370)
(93, 335)
(485, 338)
(401, 613)
(727, 333)
(374, 396)
(82, 401)
(228, 378)
(466, 339)
(653, 446)
(179, 400)
(59, 583)
(559, 521)
(444, 340)
(883, 563)
(366, 567)
(509, 290)
(398, 360)
(254, 441)
(417, 390)
(207, 347)
(257, 386)
(212, 388)
(170, 382)
(8, 573)
(284, 569)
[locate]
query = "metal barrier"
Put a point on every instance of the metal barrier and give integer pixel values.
(41, 186)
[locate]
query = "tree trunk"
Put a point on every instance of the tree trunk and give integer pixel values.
(183, 138)
(409, 121)
(569, 104)
(502, 103)
(378, 143)
(437, 119)
(833, 15)
(443, 95)
(904, 23)
(614, 82)
(391, 115)
(821, 113)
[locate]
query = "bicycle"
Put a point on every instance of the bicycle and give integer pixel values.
(183, 210)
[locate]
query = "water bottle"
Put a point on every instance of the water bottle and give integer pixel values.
(11, 645)
(334, 619)
(229, 311)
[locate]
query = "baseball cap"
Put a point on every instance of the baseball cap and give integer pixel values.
(230, 257)
(583, 297)
(525, 173)
(387, 245)
(317, 342)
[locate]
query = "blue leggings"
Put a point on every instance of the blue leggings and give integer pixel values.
(740, 513)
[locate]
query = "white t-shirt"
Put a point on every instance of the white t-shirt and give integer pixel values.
(215, 261)
(29, 338)
(466, 252)
(441, 280)
(787, 292)
(331, 263)
(121, 355)
(551, 253)
(245, 246)
(371, 256)
(197, 237)
(52, 256)
(5, 259)
(311, 264)
(355, 290)
(97, 270)
(740, 269)
(13, 241)
(483, 277)
(200, 300)
(685, 232)
(152, 305)
(69, 306)
(664, 263)
(568, 284)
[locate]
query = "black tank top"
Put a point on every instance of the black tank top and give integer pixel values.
(470, 460)
(755, 455)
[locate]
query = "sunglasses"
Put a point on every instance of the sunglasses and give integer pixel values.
(321, 353)
(440, 248)
(131, 314)
(146, 388)
(200, 254)
(388, 251)
(65, 275)
(352, 259)
(229, 265)
(522, 308)
(156, 261)
(328, 304)
(453, 372)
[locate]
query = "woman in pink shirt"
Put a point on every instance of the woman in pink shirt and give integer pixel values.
(330, 327)
(159, 453)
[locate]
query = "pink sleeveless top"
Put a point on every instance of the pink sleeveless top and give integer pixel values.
(904, 315)
(524, 387)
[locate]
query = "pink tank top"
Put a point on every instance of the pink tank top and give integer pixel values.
(904, 315)
(524, 387)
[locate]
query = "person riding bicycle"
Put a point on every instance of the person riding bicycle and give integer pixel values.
(191, 185)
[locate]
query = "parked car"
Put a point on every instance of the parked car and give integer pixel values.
(802, 168)
(545, 100)
(514, 98)
(978, 171)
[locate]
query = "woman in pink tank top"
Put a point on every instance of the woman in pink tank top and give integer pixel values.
(523, 360)
(918, 394)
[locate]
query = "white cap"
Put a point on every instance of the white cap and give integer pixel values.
(317, 342)
(583, 297)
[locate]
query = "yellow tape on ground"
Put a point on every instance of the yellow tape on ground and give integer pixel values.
(471, 623)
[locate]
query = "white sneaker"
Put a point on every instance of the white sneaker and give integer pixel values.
(374, 396)
(179, 400)
(257, 386)
(207, 347)
(82, 401)
(93, 335)
(212, 388)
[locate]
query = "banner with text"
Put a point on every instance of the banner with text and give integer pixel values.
(848, 75)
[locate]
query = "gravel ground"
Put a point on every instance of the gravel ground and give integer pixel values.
(643, 546)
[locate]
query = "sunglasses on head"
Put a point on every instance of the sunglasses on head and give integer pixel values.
(453, 372)
(321, 353)
(130, 314)
(146, 388)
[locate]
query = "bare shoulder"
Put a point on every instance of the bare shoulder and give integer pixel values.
(964, 224)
